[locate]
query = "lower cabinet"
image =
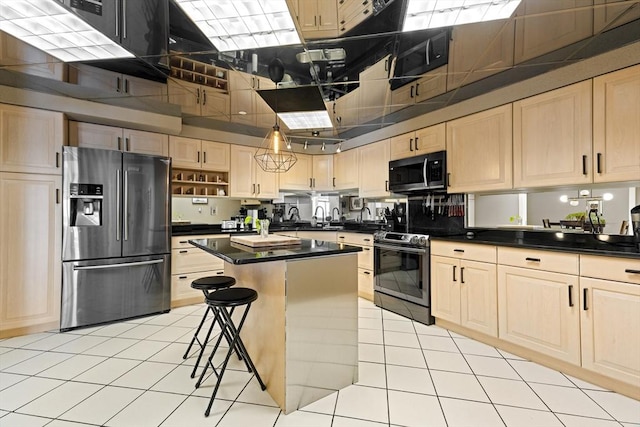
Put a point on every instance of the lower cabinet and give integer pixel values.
(189, 263)
(30, 258)
(365, 260)
(463, 290)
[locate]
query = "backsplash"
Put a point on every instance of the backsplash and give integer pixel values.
(213, 212)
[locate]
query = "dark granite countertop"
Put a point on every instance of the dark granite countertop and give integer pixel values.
(241, 254)
(351, 227)
(592, 244)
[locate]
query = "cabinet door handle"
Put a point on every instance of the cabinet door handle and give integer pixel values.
(204, 157)
(118, 85)
(57, 196)
(119, 143)
(310, 182)
(416, 144)
(184, 241)
(532, 259)
(585, 293)
(410, 144)
(599, 163)
(411, 92)
(198, 157)
(366, 249)
(254, 189)
(204, 97)
(126, 85)
(57, 159)
(570, 295)
(334, 181)
(315, 21)
(448, 179)
(366, 11)
(584, 164)
(366, 272)
(417, 86)
(454, 273)
(197, 95)
(184, 252)
(386, 185)
(461, 274)
(127, 145)
(459, 250)
(366, 240)
(386, 64)
(182, 277)
(258, 189)
(630, 271)
(340, 237)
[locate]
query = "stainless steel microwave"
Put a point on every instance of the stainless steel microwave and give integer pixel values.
(419, 174)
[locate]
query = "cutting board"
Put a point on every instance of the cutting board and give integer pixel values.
(256, 241)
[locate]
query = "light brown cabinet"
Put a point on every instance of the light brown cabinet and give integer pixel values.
(609, 316)
(30, 253)
(479, 50)
(300, 176)
(552, 138)
(610, 13)
(422, 141)
(463, 285)
(16, 55)
(199, 100)
(189, 263)
(616, 127)
(351, 13)
(538, 302)
(427, 86)
(199, 154)
(346, 170)
(374, 91)
(246, 177)
(110, 81)
(345, 110)
(365, 260)
(247, 106)
(323, 176)
(31, 140)
(543, 26)
(318, 18)
(479, 148)
(113, 138)
(373, 160)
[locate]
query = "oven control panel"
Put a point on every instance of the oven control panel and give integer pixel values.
(401, 239)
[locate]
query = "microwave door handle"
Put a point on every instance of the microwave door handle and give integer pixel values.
(426, 50)
(424, 173)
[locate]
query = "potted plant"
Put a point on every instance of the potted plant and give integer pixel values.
(573, 220)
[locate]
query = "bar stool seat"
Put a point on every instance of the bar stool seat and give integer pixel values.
(225, 301)
(208, 285)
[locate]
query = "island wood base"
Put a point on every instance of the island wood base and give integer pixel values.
(302, 331)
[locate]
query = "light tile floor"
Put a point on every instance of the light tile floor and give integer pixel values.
(132, 374)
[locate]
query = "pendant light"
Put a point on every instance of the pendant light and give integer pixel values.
(275, 154)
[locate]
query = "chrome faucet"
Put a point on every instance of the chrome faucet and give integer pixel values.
(296, 215)
(362, 210)
(316, 212)
(335, 209)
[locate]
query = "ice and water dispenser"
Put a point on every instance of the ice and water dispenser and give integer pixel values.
(86, 204)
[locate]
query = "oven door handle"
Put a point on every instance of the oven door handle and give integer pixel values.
(401, 249)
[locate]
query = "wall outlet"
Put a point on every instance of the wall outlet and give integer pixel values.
(212, 210)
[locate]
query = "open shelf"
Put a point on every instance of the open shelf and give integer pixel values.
(199, 72)
(187, 182)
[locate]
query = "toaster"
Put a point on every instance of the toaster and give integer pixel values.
(228, 224)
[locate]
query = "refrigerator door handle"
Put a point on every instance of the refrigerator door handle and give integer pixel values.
(125, 210)
(126, 264)
(118, 216)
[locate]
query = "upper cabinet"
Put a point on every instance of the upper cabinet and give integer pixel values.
(552, 137)
(247, 106)
(31, 140)
(543, 26)
(610, 13)
(109, 81)
(113, 138)
(346, 170)
(16, 55)
(351, 13)
(318, 18)
(198, 154)
(323, 177)
(345, 110)
(422, 141)
(374, 90)
(247, 179)
(299, 177)
(374, 169)
(478, 50)
(616, 126)
(479, 148)
(199, 100)
(430, 84)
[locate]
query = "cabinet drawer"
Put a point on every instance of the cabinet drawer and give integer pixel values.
(181, 285)
(539, 260)
(357, 239)
(469, 251)
(365, 258)
(609, 268)
(180, 242)
(192, 260)
(365, 283)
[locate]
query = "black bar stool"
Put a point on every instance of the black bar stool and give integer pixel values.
(221, 301)
(208, 285)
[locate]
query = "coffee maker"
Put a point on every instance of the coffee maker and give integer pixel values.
(635, 225)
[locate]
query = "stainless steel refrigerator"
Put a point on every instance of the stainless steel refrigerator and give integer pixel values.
(116, 236)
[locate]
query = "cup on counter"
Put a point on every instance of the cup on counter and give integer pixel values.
(264, 228)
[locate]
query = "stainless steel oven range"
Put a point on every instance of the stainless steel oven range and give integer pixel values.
(402, 274)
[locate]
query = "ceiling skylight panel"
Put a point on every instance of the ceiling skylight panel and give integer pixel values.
(270, 6)
(263, 39)
(281, 21)
(257, 24)
(287, 37)
(424, 14)
(306, 119)
(472, 13)
(224, 44)
(246, 41)
(500, 11)
(250, 7)
(213, 28)
(234, 26)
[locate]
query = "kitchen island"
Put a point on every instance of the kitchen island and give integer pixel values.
(302, 332)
